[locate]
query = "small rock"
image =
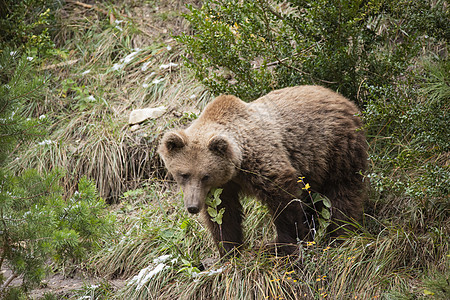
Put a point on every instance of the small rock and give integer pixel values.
(140, 115)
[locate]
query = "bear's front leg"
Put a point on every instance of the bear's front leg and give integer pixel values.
(228, 235)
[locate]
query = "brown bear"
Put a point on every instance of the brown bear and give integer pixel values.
(261, 149)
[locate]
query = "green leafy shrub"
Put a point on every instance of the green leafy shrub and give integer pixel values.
(409, 133)
(248, 48)
(37, 223)
(24, 25)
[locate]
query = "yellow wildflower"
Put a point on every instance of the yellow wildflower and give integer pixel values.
(310, 243)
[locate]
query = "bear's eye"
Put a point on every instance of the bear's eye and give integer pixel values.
(205, 178)
(184, 176)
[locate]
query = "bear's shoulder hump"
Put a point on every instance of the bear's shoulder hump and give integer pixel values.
(224, 106)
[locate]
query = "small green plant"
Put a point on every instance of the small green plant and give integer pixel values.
(324, 216)
(131, 198)
(213, 201)
(133, 195)
(83, 99)
(188, 268)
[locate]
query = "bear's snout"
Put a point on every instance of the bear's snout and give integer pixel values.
(193, 209)
(194, 197)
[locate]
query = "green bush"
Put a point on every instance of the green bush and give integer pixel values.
(38, 224)
(24, 43)
(248, 48)
(19, 84)
(24, 25)
(408, 129)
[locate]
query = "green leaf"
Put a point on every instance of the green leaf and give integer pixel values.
(217, 193)
(185, 224)
(325, 213)
(218, 218)
(316, 197)
(217, 201)
(212, 212)
(427, 292)
(323, 223)
(167, 233)
(326, 202)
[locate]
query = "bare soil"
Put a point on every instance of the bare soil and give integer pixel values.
(62, 286)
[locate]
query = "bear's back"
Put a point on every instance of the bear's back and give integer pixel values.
(308, 99)
(316, 125)
(307, 108)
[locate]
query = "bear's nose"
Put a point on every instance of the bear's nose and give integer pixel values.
(193, 209)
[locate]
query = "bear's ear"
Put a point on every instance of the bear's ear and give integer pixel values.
(172, 141)
(225, 147)
(219, 145)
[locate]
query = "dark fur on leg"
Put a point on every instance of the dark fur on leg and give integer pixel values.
(228, 235)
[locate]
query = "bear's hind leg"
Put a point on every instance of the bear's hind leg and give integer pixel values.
(228, 235)
(289, 219)
(281, 197)
(346, 209)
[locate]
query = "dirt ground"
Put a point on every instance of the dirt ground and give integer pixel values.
(63, 286)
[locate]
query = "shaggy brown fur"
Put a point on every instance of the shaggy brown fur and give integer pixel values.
(261, 149)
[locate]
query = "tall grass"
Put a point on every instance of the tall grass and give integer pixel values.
(367, 265)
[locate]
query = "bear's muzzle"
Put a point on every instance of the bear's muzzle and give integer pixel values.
(194, 197)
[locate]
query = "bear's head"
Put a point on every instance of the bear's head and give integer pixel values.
(199, 163)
